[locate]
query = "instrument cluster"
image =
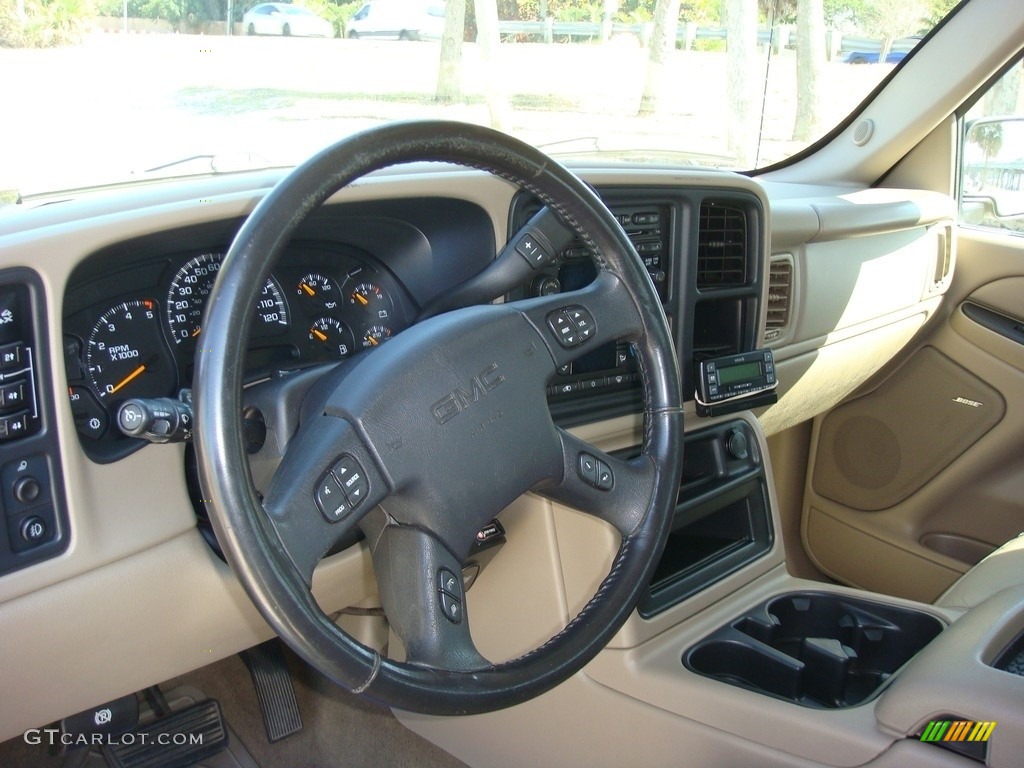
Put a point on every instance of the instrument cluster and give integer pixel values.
(141, 327)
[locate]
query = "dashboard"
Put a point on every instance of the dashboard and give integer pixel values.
(133, 313)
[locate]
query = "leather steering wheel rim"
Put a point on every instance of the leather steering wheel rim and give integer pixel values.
(237, 512)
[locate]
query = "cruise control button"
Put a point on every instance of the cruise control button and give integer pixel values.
(452, 608)
(605, 479)
(331, 500)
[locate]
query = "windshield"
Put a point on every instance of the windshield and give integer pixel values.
(111, 91)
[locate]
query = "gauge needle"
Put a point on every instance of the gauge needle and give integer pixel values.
(319, 334)
(309, 291)
(134, 374)
(373, 341)
(196, 332)
(362, 299)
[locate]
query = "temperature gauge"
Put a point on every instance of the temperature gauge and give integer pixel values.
(376, 335)
(333, 336)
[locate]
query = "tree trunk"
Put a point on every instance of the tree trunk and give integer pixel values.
(1001, 98)
(488, 39)
(810, 55)
(742, 81)
(663, 43)
(449, 73)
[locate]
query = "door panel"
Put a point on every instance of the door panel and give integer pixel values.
(915, 480)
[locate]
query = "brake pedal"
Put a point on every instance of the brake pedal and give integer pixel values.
(274, 690)
(181, 739)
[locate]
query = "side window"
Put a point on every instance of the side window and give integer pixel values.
(362, 13)
(992, 173)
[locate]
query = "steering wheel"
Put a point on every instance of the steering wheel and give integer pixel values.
(424, 440)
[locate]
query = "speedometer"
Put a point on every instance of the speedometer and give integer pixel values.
(190, 287)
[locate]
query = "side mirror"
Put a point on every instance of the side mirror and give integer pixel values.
(993, 166)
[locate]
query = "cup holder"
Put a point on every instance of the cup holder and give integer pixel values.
(819, 650)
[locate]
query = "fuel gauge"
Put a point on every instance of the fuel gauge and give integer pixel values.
(333, 336)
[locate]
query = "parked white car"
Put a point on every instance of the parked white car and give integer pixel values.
(285, 19)
(397, 20)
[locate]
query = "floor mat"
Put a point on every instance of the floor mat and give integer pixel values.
(339, 729)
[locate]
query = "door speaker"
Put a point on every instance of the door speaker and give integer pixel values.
(877, 450)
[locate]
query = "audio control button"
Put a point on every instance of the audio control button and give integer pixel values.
(531, 250)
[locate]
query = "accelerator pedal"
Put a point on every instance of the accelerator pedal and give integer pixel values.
(274, 689)
(181, 739)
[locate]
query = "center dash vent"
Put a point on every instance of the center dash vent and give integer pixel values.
(721, 246)
(780, 294)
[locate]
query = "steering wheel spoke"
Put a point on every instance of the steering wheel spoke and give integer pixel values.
(575, 323)
(424, 598)
(325, 484)
(612, 489)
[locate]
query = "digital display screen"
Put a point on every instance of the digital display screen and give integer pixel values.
(740, 372)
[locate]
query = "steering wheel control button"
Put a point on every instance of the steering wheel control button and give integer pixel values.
(331, 499)
(451, 607)
(571, 326)
(583, 321)
(449, 588)
(588, 469)
(595, 472)
(352, 479)
(532, 251)
(564, 330)
(449, 583)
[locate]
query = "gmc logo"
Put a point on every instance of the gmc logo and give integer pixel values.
(454, 403)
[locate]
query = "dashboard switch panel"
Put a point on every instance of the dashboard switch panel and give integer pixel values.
(31, 495)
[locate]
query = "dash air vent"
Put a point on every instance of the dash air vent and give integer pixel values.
(780, 294)
(721, 246)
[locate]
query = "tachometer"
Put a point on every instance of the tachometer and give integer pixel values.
(186, 300)
(125, 356)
